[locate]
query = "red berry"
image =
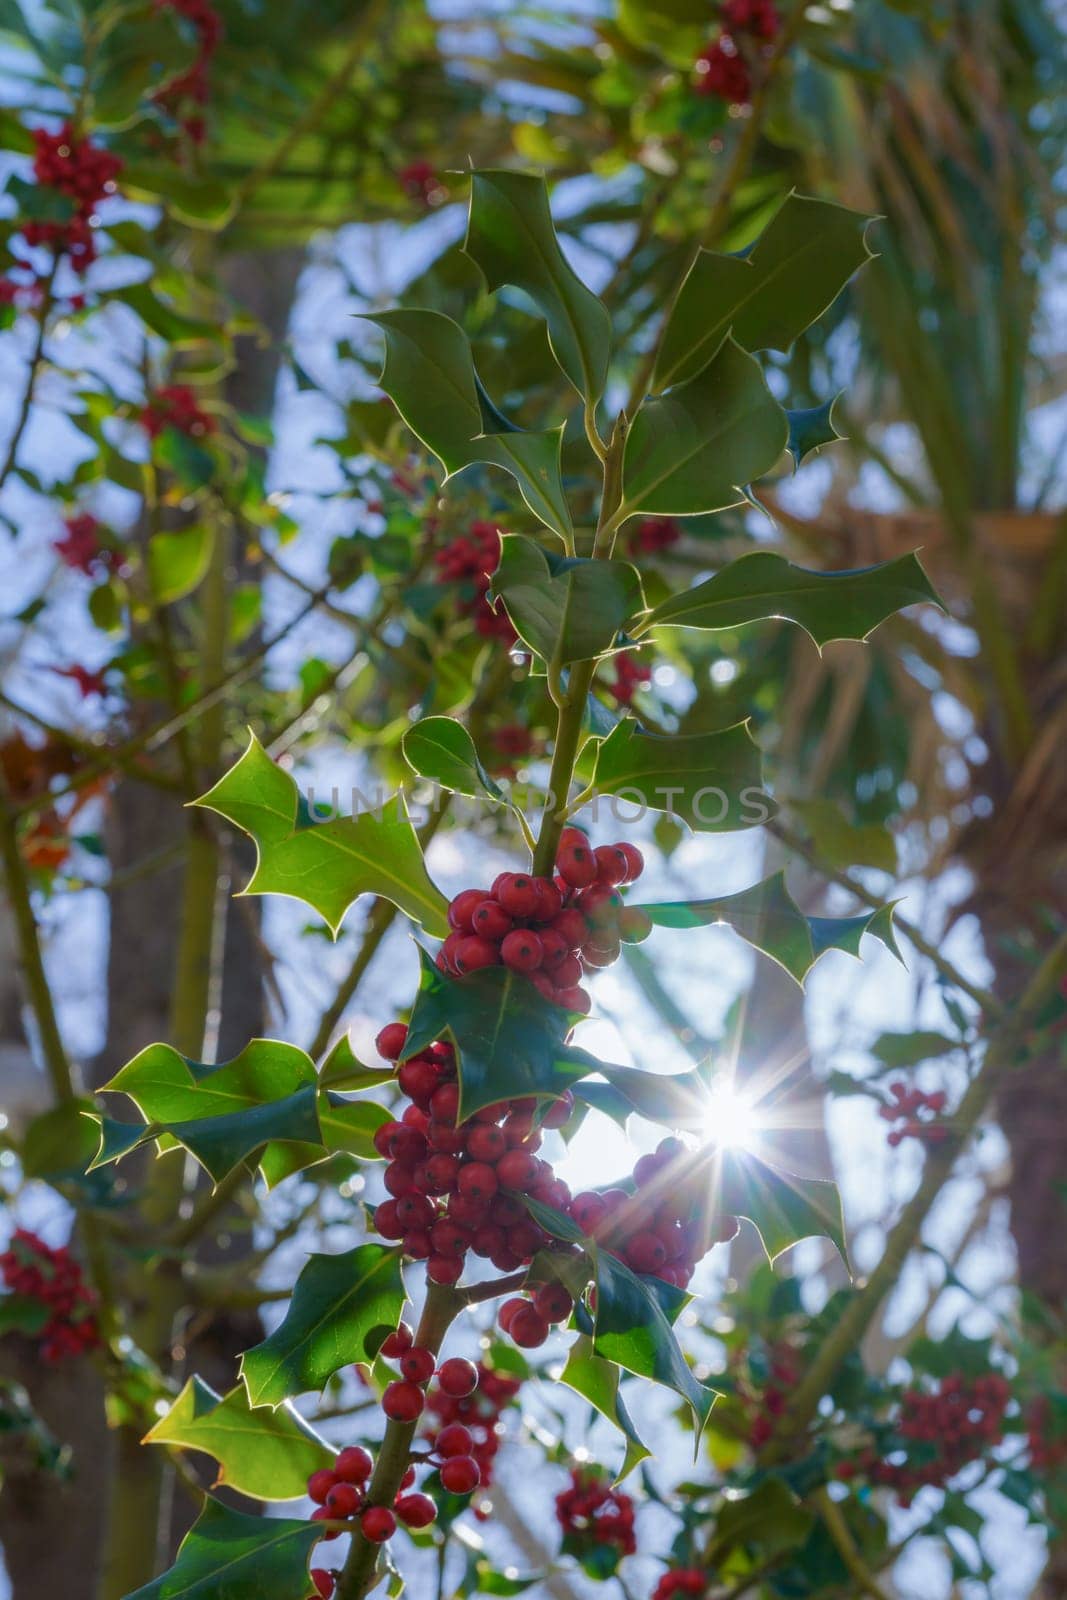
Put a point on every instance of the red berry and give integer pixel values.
(460, 1475)
(444, 1103)
(442, 1173)
(414, 1211)
(403, 1402)
(418, 1364)
(390, 1042)
(445, 1270)
(487, 1240)
(354, 1464)
(322, 1515)
(319, 1485)
(461, 910)
(549, 900)
(458, 1377)
(508, 1311)
(575, 862)
(416, 1510)
(418, 1079)
(378, 1524)
(553, 1302)
(517, 1170)
(611, 864)
(560, 1111)
(574, 999)
(473, 953)
(571, 926)
(454, 1440)
(343, 1501)
(635, 861)
(491, 921)
(486, 1142)
(479, 1179)
(519, 896)
(386, 1220)
(324, 1582)
(646, 1252)
(528, 1328)
(522, 951)
(449, 1239)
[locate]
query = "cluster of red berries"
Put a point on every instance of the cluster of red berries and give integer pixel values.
(81, 547)
(592, 1514)
(653, 534)
(723, 68)
(34, 1270)
(176, 406)
(942, 1430)
(419, 181)
(341, 1493)
(551, 930)
(511, 743)
(1048, 1448)
(661, 1227)
(85, 173)
(683, 1581)
(185, 96)
(471, 561)
(911, 1105)
(631, 674)
(468, 1426)
(768, 1403)
(457, 1187)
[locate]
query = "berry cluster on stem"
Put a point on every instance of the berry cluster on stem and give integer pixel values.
(936, 1434)
(766, 1405)
(592, 1514)
(918, 1112)
(185, 96)
(724, 69)
(32, 1269)
(467, 1426)
(470, 561)
(682, 1581)
(175, 406)
(82, 547)
(84, 173)
(553, 930)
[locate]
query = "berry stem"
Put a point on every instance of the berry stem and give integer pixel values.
(361, 1566)
(480, 1292)
(572, 700)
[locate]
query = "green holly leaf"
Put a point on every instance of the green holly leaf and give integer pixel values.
(827, 605)
(223, 1115)
(782, 1207)
(341, 1069)
(511, 236)
(844, 844)
(429, 375)
(61, 1143)
(347, 1127)
(342, 1308)
(769, 1520)
(631, 1325)
(766, 297)
(564, 607)
(442, 750)
(598, 1381)
(811, 429)
(228, 1555)
(508, 1037)
(266, 1454)
(693, 450)
(768, 918)
(327, 865)
(20, 1313)
(711, 781)
(900, 1050)
(178, 563)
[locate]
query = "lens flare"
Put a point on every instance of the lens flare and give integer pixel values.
(731, 1119)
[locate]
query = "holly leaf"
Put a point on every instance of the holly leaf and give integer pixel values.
(511, 236)
(899, 1050)
(61, 1143)
(631, 1323)
(508, 1037)
(827, 605)
(771, 1519)
(765, 297)
(812, 428)
(347, 1127)
(598, 1381)
(266, 1454)
(342, 1308)
(327, 865)
(228, 1555)
(712, 781)
(223, 1115)
(768, 918)
(21, 1313)
(563, 606)
(178, 563)
(693, 450)
(341, 1069)
(442, 750)
(429, 375)
(782, 1207)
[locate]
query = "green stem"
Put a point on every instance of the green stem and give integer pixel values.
(36, 358)
(361, 1567)
(838, 1529)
